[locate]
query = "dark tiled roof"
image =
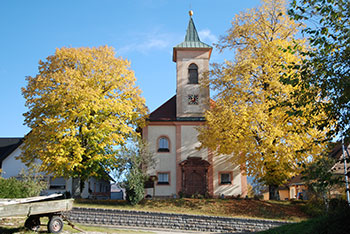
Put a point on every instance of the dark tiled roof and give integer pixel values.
(166, 112)
(337, 150)
(8, 145)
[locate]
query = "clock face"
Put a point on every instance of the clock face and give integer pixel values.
(193, 99)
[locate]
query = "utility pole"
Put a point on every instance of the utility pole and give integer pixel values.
(346, 171)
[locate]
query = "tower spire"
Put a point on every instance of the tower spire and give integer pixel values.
(191, 33)
(191, 39)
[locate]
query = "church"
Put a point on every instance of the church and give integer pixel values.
(171, 132)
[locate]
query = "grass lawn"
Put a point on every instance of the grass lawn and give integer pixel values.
(334, 223)
(281, 210)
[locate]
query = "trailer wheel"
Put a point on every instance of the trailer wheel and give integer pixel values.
(32, 223)
(55, 224)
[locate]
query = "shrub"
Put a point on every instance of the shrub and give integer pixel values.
(29, 184)
(314, 208)
(338, 206)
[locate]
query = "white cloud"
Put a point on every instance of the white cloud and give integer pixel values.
(156, 40)
(156, 43)
(145, 42)
(206, 35)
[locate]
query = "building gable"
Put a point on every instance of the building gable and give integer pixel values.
(7, 146)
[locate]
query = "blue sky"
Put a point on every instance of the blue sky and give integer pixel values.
(142, 31)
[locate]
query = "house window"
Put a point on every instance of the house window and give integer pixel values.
(163, 144)
(163, 178)
(225, 178)
(193, 74)
(57, 183)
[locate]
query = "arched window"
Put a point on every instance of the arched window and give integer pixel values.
(193, 74)
(163, 144)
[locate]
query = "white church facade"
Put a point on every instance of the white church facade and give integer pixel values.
(172, 133)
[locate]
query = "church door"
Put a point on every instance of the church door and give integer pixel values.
(194, 176)
(195, 182)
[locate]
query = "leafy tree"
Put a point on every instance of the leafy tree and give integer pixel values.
(327, 66)
(134, 162)
(320, 179)
(249, 120)
(82, 104)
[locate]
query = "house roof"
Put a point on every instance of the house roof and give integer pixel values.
(8, 145)
(337, 153)
(166, 112)
(296, 180)
(337, 150)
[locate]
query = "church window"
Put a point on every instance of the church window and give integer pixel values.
(163, 144)
(225, 178)
(163, 178)
(193, 74)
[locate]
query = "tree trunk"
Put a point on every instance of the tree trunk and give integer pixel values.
(78, 185)
(76, 188)
(82, 185)
(273, 192)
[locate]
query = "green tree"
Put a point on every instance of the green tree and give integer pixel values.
(327, 67)
(83, 104)
(249, 120)
(320, 179)
(134, 161)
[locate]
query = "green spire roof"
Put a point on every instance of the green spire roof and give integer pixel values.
(192, 39)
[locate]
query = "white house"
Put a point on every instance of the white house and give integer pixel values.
(11, 167)
(172, 135)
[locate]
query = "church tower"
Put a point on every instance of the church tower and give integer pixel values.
(192, 63)
(172, 132)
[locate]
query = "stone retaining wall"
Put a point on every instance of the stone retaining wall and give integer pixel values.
(169, 221)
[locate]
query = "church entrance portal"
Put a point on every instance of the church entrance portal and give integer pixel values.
(194, 176)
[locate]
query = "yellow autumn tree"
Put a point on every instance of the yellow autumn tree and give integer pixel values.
(82, 106)
(249, 120)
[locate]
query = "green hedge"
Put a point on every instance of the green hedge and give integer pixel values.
(27, 186)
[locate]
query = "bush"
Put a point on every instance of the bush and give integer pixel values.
(314, 208)
(29, 185)
(338, 205)
(332, 223)
(317, 207)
